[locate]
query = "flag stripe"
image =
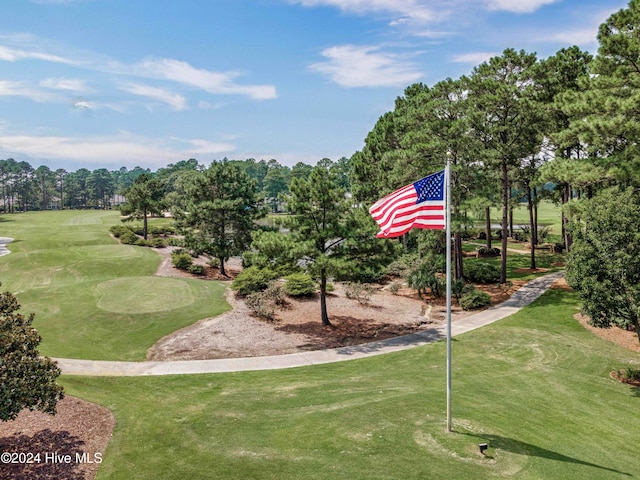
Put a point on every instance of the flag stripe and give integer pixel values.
(400, 211)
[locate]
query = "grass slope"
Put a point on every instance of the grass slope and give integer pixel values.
(534, 386)
(94, 298)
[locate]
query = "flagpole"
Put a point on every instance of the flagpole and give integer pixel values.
(447, 179)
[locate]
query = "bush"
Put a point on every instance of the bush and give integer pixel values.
(299, 285)
(264, 304)
(459, 288)
(157, 243)
(628, 374)
(175, 242)
(403, 265)
(196, 269)
(394, 287)
(481, 272)
(137, 229)
(424, 277)
(475, 299)
(358, 291)
(162, 230)
(183, 261)
(260, 305)
(119, 230)
(128, 237)
(252, 279)
(141, 242)
(488, 252)
(275, 293)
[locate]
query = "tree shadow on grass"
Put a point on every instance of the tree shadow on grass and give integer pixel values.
(46, 455)
(527, 449)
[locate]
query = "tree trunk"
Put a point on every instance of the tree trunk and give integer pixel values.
(532, 227)
(634, 320)
(487, 216)
(145, 224)
(222, 271)
(535, 213)
(505, 214)
(457, 255)
(568, 239)
(323, 298)
(510, 215)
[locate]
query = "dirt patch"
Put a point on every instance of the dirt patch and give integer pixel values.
(166, 268)
(624, 338)
(298, 327)
(561, 284)
(79, 429)
(531, 270)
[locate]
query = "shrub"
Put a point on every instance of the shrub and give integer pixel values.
(275, 293)
(119, 230)
(263, 304)
(260, 305)
(162, 230)
(394, 287)
(459, 288)
(128, 237)
(488, 252)
(252, 279)
(481, 272)
(175, 242)
(214, 262)
(475, 299)
(137, 229)
(358, 291)
(157, 243)
(141, 242)
(183, 261)
(628, 374)
(402, 266)
(196, 269)
(424, 277)
(299, 285)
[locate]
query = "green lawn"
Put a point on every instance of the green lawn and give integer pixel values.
(548, 215)
(534, 386)
(94, 298)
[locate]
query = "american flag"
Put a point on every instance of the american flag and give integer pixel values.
(418, 205)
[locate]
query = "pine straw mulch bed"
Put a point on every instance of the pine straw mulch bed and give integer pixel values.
(79, 430)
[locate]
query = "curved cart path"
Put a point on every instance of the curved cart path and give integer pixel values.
(521, 298)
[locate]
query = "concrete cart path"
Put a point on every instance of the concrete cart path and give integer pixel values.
(524, 296)
(3, 245)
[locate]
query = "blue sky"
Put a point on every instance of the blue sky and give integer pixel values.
(111, 83)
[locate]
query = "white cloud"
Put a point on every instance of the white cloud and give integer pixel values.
(422, 12)
(176, 101)
(365, 66)
(70, 84)
(518, 6)
(407, 9)
(581, 36)
(9, 54)
(110, 150)
(474, 58)
(212, 82)
(22, 89)
(25, 47)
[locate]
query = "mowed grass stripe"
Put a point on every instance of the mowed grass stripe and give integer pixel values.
(60, 267)
(535, 387)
